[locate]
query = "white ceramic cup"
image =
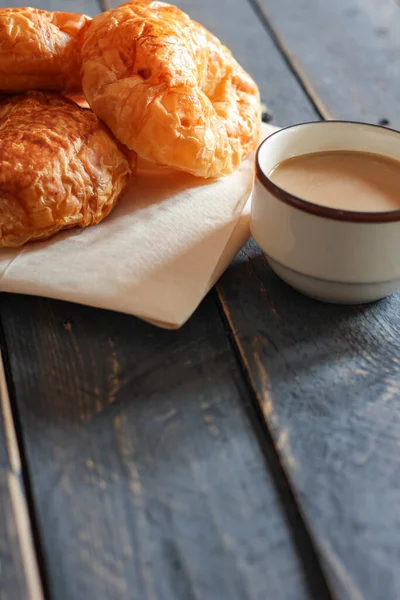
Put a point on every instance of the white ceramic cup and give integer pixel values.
(332, 255)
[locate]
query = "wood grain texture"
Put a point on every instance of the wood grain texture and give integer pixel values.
(346, 52)
(146, 476)
(19, 574)
(327, 379)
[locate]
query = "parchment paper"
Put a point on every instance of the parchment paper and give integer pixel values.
(156, 256)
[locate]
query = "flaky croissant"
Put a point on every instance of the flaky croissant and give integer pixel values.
(169, 89)
(40, 50)
(59, 167)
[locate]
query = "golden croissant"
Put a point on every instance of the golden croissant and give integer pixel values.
(169, 89)
(40, 50)
(59, 167)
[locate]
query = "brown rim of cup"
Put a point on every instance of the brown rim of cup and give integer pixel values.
(317, 209)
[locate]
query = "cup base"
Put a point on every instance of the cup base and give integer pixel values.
(334, 292)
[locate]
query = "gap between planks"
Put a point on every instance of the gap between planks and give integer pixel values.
(312, 559)
(15, 477)
(291, 61)
(18, 500)
(318, 581)
(307, 548)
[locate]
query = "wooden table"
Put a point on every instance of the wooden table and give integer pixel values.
(252, 455)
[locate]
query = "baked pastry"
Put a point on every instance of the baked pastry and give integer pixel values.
(59, 167)
(40, 50)
(169, 89)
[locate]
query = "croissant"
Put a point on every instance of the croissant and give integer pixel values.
(59, 167)
(40, 50)
(169, 89)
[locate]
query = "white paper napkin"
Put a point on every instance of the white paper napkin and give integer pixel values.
(156, 256)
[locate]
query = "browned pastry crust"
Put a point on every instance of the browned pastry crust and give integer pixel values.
(59, 167)
(169, 89)
(40, 50)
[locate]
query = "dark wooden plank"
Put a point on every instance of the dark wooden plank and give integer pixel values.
(347, 53)
(146, 476)
(327, 381)
(19, 575)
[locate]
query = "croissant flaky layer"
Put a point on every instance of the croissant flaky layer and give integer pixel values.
(59, 167)
(40, 50)
(169, 89)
